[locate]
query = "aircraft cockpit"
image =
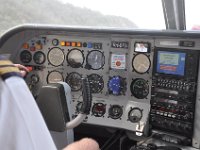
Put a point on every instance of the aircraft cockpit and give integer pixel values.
(144, 83)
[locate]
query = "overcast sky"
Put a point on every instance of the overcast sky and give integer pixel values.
(146, 14)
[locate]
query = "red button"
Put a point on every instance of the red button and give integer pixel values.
(29, 68)
(118, 63)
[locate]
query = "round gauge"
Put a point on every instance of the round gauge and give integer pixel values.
(95, 60)
(79, 106)
(96, 83)
(39, 57)
(135, 115)
(117, 85)
(139, 88)
(115, 111)
(74, 81)
(99, 109)
(55, 42)
(75, 58)
(54, 77)
(56, 56)
(25, 56)
(141, 63)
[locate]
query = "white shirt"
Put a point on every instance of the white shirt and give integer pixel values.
(21, 124)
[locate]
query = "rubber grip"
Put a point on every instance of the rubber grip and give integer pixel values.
(87, 96)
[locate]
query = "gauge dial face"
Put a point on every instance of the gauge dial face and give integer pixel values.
(54, 77)
(115, 111)
(139, 88)
(135, 115)
(95, 60)
(75, 58)
(25, 56)
(56, 56)
(141, 63)
(55, 42)
(74, 81)
(117, 85)
(39, 57)
(98, 109)
(96, 83)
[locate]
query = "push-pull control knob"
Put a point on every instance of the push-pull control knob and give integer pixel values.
(34, 79)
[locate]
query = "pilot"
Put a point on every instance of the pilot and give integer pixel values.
(21, 124)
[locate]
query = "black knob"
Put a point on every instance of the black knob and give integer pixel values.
(152, 146)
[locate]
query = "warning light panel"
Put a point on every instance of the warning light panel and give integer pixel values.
(62, 43)
(73, 44)
(25, 46)
(38, 46)
(79, 44)
(68, 43)
(32, 48)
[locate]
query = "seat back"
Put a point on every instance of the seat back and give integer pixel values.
(52, 103)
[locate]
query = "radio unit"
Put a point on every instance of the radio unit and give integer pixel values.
(174, 91)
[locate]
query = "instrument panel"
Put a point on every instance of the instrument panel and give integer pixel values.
(111, 65)
(137, 81)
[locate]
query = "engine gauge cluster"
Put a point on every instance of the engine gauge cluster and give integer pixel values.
(74, 81)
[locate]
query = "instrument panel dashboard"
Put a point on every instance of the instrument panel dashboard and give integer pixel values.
(118, 69)
(119, 65)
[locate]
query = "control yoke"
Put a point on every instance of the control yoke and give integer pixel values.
(55, 104)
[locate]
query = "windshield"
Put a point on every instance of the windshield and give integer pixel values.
(192, 14)
(142, 14)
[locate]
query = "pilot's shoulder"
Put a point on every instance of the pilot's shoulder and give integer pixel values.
(7, 68)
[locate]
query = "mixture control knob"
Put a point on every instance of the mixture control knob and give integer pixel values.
(34, 79)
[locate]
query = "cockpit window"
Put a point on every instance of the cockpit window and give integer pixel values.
(192, 12)
(142, 14)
